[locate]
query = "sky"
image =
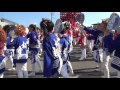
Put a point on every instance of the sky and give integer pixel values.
(27, 18)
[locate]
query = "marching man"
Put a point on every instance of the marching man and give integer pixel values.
(64, 53)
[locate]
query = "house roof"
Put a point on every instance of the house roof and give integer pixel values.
(105, 19)
(96, 24)
(6, 20)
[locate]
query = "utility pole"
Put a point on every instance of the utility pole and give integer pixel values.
(52, 15)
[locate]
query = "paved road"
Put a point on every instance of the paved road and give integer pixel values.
(82, 69)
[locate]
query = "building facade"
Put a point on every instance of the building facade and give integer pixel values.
(4, 22)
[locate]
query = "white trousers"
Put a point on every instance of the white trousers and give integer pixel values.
(1, 75)
(60, 65)
(64, 71)
(101, 53)
(90, 45)
(95, 54)
(11, 61)
(22, 70)
(37, 62)
(10, 57)
(104, 62)
(74, 41)
(70, 68)
(118, 74)
(3, 64)
(83, 55)
(97, 57)
(106, 65)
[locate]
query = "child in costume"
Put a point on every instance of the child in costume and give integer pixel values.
(64, 53)
(34, 48)
(20, 53)
(40, 37)
(9, 52)
(68, 38)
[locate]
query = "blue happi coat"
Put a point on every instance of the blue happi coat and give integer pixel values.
(2, 64)
(50, 55)
(64, 49)
(9, 43)
(107, 41)
(95, 34)
(9, 46)
(33, 41)
(20, 53)
(115, 46)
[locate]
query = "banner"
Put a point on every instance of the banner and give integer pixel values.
(68, 16)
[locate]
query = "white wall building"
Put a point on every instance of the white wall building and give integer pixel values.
(4, 22)
(95, 25)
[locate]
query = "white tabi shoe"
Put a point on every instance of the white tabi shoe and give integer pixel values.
(81, 59)
(11, 69)
(32, 74)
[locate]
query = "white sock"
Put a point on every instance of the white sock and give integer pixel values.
(70, 68)
(118, 74)
(20, 74)
(85, 53)
(11, 61)
(61, 64)
(64, 71)
(94, 54)
(101, 55)
(1, 75)
(25, 74)
(106, 67)
(82, 54)
(38, 62)
(33, 67)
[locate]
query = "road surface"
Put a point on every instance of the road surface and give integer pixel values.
(82, 69)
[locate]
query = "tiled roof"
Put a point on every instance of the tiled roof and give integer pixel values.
(3, 19)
